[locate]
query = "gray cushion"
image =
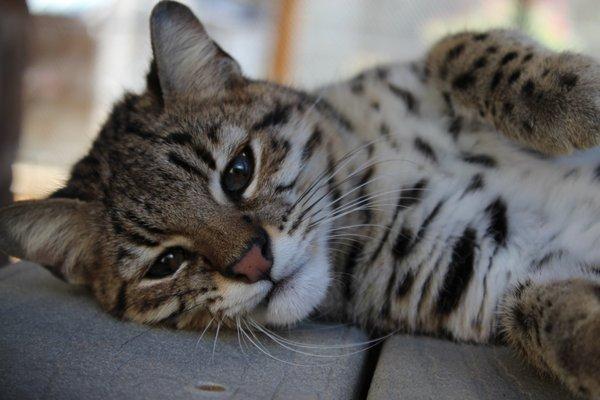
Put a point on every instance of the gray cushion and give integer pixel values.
(412, 368)
(55, 343)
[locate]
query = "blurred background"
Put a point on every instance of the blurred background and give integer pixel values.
(70, 59)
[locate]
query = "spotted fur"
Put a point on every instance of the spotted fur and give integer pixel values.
(389, 201)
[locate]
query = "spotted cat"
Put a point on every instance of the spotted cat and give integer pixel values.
(418, 197)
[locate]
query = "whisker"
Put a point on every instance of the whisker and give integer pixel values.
(265, 352)
(336, 167)
(337, 185)
(203, 332)
(326, 347)
(212, 358)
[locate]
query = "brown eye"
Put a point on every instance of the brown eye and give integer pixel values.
(167, 263)
(238, 174)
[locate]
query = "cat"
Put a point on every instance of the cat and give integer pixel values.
(417, 197)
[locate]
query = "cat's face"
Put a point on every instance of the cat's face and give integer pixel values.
(196, 200)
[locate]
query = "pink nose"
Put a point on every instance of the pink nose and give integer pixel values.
(253, 265)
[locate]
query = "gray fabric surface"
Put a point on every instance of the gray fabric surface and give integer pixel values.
(412, 368)
(55, 343)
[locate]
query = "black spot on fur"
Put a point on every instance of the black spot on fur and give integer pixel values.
(508, 57)
(568, 80)
(375, 105)
(352, 260)
(426, 222)
(498, 228)
(405, 285)
(407, 197)
(527, 58)
(412, 195)
(179, 138)
(480, 62)
(528, 88)
(514, 76)
(205, 156)
(464, 81)
(476, 183)
(363, 194)
(280, 115)
(326, 108)
(458, 276)
(480, 159)
(382, 73)
(507, 108)
(455, 127)
(409, 99)
(402, 243)
(311, 144)
(384, 129)
(545, 72)
(491, 49)
(425, 149)
(454, 52)
(496, 80)
(480, 37)
(448, 102)
(357, 87)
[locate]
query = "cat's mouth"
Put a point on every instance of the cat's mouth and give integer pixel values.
(283, 284)
(293, 297)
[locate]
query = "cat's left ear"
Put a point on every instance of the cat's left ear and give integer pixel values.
(189, 64)
(59, 234)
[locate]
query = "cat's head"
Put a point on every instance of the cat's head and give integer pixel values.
(197, 198)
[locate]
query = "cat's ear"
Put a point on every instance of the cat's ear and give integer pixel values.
(188, 62)
(60, 234)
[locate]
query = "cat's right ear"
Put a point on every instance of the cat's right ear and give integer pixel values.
(187, 62)
(59, 234)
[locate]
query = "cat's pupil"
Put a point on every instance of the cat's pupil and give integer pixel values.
(167, 264)
(238, 174)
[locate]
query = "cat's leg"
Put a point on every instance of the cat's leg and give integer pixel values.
(556, 326)
(546, 100)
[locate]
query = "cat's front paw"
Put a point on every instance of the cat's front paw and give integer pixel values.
(558, 106)
(546, 100)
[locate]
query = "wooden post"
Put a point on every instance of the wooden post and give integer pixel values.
(285, 27)
(13, 42)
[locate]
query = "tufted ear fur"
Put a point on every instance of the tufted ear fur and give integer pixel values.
(60, 234)
(188, 62)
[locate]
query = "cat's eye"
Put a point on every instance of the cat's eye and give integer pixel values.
(167, 263)
(238, 174)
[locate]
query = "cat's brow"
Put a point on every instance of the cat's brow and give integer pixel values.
(183, 164)
(185, 139)
(278, 116)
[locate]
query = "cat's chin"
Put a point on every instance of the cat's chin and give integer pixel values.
(296, 296)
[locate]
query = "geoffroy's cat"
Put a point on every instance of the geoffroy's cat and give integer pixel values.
(419, 197)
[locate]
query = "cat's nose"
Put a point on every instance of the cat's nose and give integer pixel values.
(255, 264)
